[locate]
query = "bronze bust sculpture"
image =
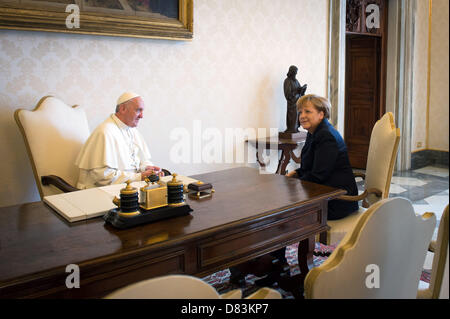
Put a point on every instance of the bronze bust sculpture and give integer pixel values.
(292, 91)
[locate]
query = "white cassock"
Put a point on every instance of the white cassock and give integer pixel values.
(113, 154)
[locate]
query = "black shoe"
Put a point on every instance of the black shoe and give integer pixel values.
(268, 280)
(282, 267)
(238, 280)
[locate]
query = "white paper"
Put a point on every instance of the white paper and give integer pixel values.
(94, 202)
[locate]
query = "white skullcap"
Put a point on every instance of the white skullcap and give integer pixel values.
(126, 97)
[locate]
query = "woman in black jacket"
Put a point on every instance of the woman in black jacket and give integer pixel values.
(324, 158)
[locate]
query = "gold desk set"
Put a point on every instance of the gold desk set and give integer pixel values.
(155, 201)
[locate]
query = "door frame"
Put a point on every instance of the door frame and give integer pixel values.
(398, 75)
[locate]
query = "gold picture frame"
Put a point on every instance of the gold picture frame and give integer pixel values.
(126, 18)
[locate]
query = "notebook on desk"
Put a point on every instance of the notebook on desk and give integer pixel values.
(80, 205)
(94, 202)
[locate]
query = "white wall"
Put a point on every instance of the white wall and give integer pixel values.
(435, 136)
(229, 76)
(439, 77)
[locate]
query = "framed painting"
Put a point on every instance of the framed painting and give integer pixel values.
(163, 19)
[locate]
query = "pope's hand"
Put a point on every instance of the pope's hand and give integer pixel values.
(156, 169)
(151, 170)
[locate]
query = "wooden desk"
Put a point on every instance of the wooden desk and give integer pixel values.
(249, 215)
(286, 146)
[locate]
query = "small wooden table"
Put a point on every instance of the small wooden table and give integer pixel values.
(249, 215)
(287, 147)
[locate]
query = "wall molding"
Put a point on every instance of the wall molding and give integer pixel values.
(428, 157)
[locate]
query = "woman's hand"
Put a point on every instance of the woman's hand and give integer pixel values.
(292, 174)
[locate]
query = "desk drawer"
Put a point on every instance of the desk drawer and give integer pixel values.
(98, 279)
(255, 240)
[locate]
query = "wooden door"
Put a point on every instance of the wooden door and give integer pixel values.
(365, 74)
(362, 97)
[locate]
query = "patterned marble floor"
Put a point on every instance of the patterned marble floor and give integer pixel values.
(427, 189)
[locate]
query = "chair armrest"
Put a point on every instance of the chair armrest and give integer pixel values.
(357, 198)
(166, 172)
(265, 293)
(58, 182)
(432, 246)
(233, 294)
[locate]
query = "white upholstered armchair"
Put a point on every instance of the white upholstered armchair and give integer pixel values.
(381, 257)
(383, 148)
(54, 133)
(438, 249)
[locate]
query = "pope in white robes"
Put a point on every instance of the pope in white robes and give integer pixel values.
(116, 152)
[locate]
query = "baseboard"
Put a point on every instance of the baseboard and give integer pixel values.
(428, 158)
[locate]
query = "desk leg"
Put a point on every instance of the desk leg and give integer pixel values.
(323, 238)
(305, 255)
(259, 160)
(286, 155)
(297, 159)
(280, 162)
(295, 283)
(283, 162)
